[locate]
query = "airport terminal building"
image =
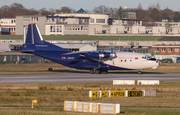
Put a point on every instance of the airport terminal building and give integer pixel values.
(82, 23)
(64, 24)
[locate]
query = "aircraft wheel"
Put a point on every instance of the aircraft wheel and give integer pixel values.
(91, 71)
(97, 72)
(104, 72)
(139, 72)
(49, 69)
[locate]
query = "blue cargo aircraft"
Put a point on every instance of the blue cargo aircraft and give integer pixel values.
(95, 61)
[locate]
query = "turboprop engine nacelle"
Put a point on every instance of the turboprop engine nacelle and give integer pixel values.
(100, 55)
(109, 55)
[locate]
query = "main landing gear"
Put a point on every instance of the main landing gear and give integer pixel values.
(98, 71)
(140, 72)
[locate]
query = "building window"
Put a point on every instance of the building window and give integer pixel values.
(68, 28)
(100, 20)
(34, 19)
(176, 50)
(169, 49)
(59, 28)
(84, 28)
(156, 49)
(163, 50)
(52, 28)
(92, 20)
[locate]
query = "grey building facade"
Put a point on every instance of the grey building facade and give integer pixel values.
(23, 21)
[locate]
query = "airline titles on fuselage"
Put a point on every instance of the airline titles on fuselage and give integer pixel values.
(125, 57)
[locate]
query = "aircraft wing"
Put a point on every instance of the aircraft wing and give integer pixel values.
(80, 52)
(95, 55)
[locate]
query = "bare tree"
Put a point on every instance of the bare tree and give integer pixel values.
(158, 6)
(44, 12)
(151, 7)
(140, 6)
(101, 9)
(119, 13)
(112, 12)
(17, 6)
(65, 9)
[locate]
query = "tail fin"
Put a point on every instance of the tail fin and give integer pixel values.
(34, 42)
(33, 34)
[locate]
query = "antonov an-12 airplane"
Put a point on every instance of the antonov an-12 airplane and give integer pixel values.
(95, 61)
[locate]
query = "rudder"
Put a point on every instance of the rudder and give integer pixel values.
(33, 34)
(34, 41)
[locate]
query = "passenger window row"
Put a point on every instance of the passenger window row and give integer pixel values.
(124, 61)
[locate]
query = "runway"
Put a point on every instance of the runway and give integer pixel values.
(85, 77)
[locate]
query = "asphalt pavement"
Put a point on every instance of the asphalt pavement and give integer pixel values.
(85, 77)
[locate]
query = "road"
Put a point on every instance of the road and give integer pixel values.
(85, 77)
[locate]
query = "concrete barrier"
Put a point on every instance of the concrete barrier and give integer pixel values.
(94, 107)
(109, 108)
(148, 82)
(81, 106)
(68, 105)
(91, 107)
(123, 82)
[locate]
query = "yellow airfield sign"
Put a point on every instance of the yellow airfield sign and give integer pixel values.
(117, 93)
(104, 93)
(95, 94)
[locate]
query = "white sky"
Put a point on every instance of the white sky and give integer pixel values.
(90, 4)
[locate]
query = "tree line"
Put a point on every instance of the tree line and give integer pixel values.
(152, 14)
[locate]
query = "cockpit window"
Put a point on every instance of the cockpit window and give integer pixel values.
(149, 58)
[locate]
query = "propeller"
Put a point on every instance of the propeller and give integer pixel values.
(101, 55)
(113, 54)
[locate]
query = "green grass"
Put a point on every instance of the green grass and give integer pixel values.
(42, 68)
(59, 111)
(76, 37)
(54, 95)
(150, 111)
(11, 37)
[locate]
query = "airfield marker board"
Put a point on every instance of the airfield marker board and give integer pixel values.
(134, 93)
(117, 94)
(93, 94)
(103, 93)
